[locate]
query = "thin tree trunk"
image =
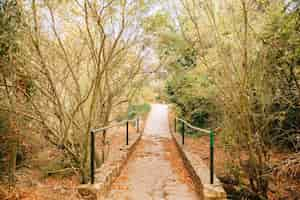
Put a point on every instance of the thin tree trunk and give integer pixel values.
(12, 162)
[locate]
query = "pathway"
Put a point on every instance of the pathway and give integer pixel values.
(155, 170)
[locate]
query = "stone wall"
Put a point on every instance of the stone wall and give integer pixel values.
(107, 173)
(200, 173)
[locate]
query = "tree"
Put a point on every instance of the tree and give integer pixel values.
(10, 23)
(78, 68)
(253, 74)
(218, 54)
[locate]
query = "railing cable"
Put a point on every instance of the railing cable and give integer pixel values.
(207, 132)
(103, 130)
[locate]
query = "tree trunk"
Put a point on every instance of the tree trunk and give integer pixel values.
(12, 162)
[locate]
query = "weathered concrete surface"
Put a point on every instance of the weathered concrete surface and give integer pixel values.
(155, 170)
(108, 172)
(200, 174)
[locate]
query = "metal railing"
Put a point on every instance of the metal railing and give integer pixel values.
(103, 130)
(207, 132)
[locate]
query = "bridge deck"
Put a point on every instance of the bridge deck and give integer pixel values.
(155, 170)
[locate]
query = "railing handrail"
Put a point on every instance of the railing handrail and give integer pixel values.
(211, 141)
(194, 127)
(114, 125)
(103, 130)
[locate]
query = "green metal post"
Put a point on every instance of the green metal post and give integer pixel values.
(103, 143)
(211, 157)
(138, 124)
(183, 133)
(127, 135)
(92, 157)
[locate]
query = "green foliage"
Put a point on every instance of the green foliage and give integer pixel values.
(183, 84)
(282, 41)
(170, 42)
(183, 91)
(187, 60)
(12, 153)
(251, 77)
(199, 117)
(183, 55)
(10, 20)
(30, 88)
(154, 23)
(137, 110)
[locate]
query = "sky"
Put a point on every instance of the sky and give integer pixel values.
(293, 4)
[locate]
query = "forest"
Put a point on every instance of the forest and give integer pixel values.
(68, 66)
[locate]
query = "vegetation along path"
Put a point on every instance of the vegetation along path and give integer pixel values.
(155, 170)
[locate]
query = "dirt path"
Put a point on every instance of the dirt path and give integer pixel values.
(155, 170)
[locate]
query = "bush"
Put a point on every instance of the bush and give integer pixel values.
(282, 42)
(198, 109)
(137, 110)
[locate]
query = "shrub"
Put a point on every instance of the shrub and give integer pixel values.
(281, 38)
(137, 110)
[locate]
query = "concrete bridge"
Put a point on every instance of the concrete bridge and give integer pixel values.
(156, 167)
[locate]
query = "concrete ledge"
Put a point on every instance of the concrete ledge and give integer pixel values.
(200, 174)
(107, 173)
